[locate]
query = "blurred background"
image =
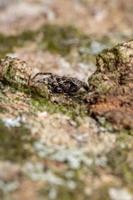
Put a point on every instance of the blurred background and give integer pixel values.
(96, 17)
(44, 153)
(74, 30)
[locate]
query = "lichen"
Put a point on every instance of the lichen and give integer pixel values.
(67, 190)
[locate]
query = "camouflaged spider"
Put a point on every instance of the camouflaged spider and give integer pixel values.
(59, 84)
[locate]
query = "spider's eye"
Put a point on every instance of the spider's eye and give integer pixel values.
(45, 80)
(58, 90)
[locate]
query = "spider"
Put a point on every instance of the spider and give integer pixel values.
(59, 84)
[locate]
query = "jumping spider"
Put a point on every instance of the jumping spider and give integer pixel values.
(59, 84)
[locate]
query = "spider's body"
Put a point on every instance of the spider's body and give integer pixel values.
(60, 84)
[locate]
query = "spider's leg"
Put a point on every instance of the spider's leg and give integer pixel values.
(40, 73)
(29, 80)
(85, 86)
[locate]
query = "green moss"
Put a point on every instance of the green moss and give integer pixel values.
(14, 87)
(64, 192)
(54, 38)
(8, 43)
(120, 159)
(15, 143)
(106, 61)
(72, 107)
(73, 110)
(62, 39)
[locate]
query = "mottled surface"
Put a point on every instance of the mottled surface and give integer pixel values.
(55, 144)
(14, 71)
(112, 85)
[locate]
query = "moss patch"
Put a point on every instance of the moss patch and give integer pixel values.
(72, 109)
(15, 143)
(120, 159)
(65, 191)
(62, 39)
(54, 38)
(112, 86)
(8, 43)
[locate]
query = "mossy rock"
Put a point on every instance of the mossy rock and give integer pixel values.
(111, 86)
(14, 70)
(114, 69)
